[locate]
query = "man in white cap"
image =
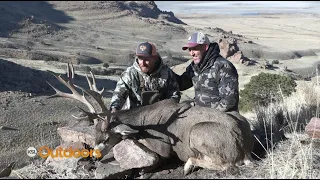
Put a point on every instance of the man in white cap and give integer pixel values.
(214, 78)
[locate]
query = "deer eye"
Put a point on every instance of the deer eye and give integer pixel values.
(113, 118)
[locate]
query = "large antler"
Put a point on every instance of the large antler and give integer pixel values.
(93, 92)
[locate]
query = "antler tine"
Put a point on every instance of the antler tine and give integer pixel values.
(89, 116)
(95, 93)
(97, 97)
(89, 83)
(70, 85)
(94, 84)
(83, 118)
(70, 72)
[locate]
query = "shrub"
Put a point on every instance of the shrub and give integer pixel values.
(112, 59)
(275, 62)
(85, 69)
(106, 71)
(106, 65)
(263, 89)
(99, 71)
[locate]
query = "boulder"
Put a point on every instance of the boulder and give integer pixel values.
(110, 170)
(60, 162)
(313, 128)
(228, 47)
(239, 58)
(230, 50)
(131, 154)
(83, 134)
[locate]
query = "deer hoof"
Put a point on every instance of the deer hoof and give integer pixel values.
(187, 167)
(247, 162)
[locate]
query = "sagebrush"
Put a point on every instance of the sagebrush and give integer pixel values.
(265, 88)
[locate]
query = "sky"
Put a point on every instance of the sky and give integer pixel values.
(239, 7)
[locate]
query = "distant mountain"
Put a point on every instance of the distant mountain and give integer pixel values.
(146, 9)
(149, 9)
(17, 15)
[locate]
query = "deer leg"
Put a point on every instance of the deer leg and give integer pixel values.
(247, 159)
(157, 142)
(215, 147)
(203, 163)
(188, 166)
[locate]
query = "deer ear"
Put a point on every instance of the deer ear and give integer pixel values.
(124, 130)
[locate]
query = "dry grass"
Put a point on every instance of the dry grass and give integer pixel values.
(291, 158)
(39, 170)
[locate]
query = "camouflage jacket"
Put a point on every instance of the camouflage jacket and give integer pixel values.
(215, 81)
(128, 89)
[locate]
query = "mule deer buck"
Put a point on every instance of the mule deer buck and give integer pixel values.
(199, 136)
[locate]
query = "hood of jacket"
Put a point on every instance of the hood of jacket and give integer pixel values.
(209, 58)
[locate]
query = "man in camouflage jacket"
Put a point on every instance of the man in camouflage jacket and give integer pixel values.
(147, 74)
(214, 78)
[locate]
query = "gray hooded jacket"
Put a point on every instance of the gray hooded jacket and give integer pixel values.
(215, 81)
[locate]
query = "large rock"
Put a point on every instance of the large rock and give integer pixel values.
(228, 47)
(61, 163)
(110, 170)
(107, 156)
(230, 50)
(313, 128)
(84, 134)
(238, 58)
(131, 154)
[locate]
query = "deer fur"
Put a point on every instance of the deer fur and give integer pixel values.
(200, 136)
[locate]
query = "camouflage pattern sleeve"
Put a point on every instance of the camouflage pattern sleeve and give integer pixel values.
(228, 88)
(121, 91)
(173, 87)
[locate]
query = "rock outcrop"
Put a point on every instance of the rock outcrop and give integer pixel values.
(313, 128)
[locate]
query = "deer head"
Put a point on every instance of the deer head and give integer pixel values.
(100, 120)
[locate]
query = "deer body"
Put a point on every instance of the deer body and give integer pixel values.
(199, 136)
(201, 133)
